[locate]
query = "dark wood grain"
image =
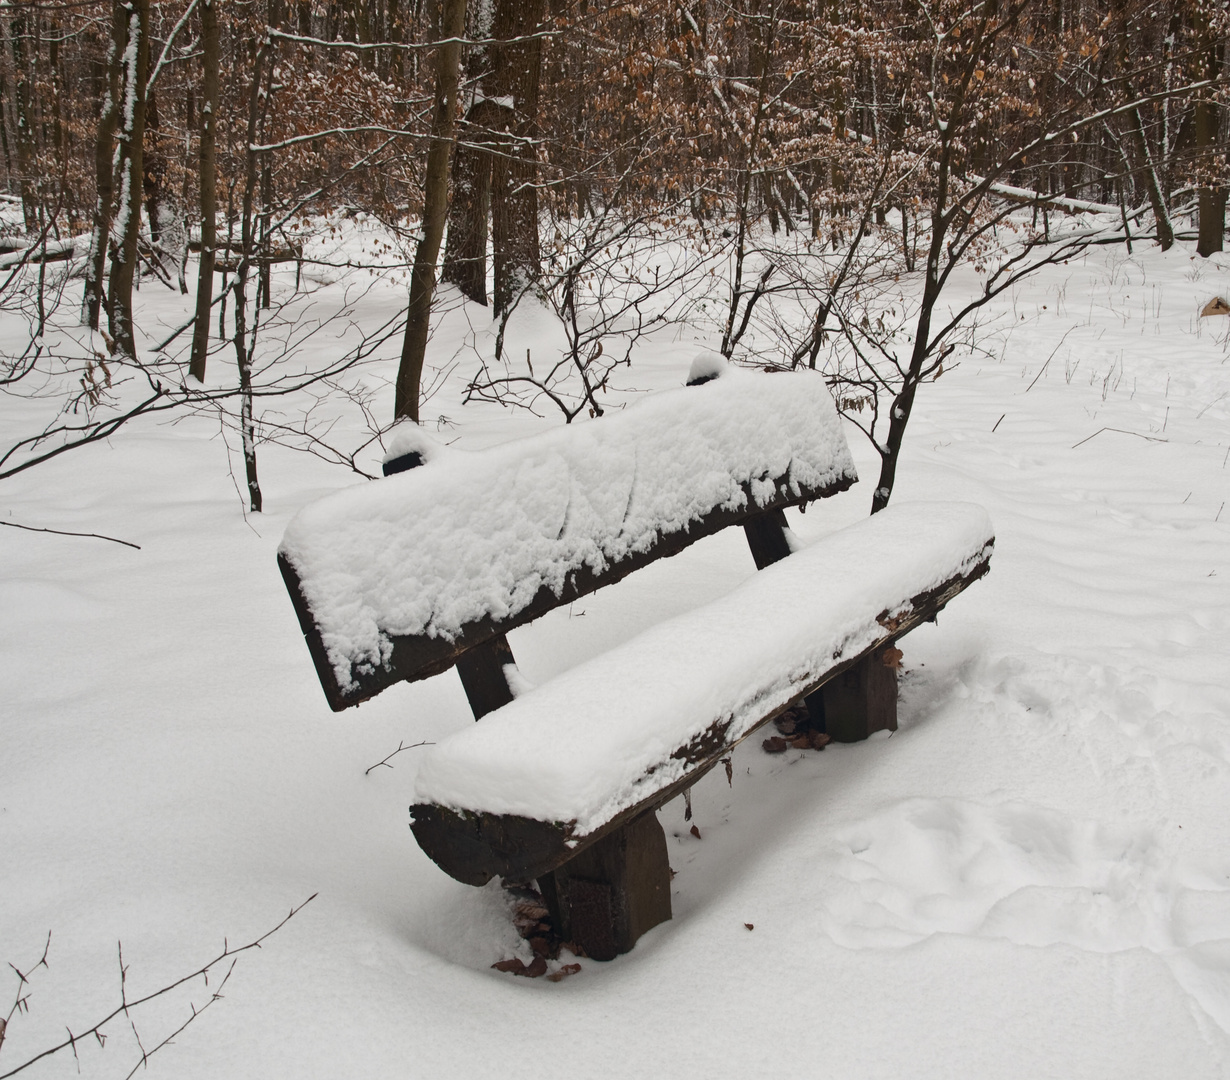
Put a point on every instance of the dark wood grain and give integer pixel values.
(474, 847)
(613, 891)
(419, 657)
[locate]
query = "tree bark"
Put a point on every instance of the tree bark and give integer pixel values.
(135, 67)
(465, 253)
(514, 194)
(18, 33)
(154, 169)
(258, 103)
(209, 190)
(1152, 182)
(1212, 214)
(435, 211)
(104, 143)
(465, 257)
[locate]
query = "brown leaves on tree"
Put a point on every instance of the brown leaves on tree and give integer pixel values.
(892, 657)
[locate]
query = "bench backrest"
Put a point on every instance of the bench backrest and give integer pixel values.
(397, 579)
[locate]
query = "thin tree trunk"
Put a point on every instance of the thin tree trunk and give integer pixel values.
(435, 211)
(244, 349)
(1153, 185)
(18, 32)
(135, 62)
(209, 191)
(104, 164)
(154, 168)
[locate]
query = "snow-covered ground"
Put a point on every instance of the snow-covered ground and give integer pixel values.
(1031, 878)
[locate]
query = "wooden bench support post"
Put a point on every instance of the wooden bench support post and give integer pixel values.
(482, 675)
(766, 536)
(614, 891)
(860, 700)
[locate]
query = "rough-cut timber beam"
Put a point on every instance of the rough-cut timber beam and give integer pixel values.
(419, 657)
(473, 848)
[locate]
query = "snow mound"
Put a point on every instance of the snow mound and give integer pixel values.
(477, 534)
(706, 367)
(599, 738)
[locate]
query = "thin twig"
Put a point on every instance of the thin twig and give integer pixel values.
(126, 1005)
(400, 748)
(63, 532)
(1121, 431)
(1049, 358)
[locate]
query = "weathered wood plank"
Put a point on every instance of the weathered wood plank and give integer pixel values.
(474, 847)
(419, 657)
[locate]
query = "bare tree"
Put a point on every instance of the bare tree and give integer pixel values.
(435, 211)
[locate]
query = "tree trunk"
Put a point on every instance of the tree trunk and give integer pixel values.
(1152, 182)
(154, 169)
(209, 191)
(104, 142)
(465, 257)
(1212, 221)
(135, 66)
(435, 211)
(18, 33)
(514, 194)
(245, 348)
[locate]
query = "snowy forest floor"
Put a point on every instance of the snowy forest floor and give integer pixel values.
(1031, 878)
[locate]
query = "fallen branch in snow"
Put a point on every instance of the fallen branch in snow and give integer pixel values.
(62, 532)
(399, 749)
(1048, 360)
(1121, 431)
(126, 1006)
(23, 981)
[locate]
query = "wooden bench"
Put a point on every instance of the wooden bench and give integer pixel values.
(431, 567)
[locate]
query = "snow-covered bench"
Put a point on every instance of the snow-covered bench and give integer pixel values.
(431, 567)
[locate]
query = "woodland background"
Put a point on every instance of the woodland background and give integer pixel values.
(593, 158)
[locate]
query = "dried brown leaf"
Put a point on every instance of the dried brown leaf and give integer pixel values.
(512, 964)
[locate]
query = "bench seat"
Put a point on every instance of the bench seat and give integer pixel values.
(563, 765)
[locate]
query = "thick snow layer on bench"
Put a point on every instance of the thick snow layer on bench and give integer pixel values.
(580, 748)
(474, 534)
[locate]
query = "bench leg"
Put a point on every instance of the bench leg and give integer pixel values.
(482, 676)
(613, 891)
(859, 701)
(766, 536)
